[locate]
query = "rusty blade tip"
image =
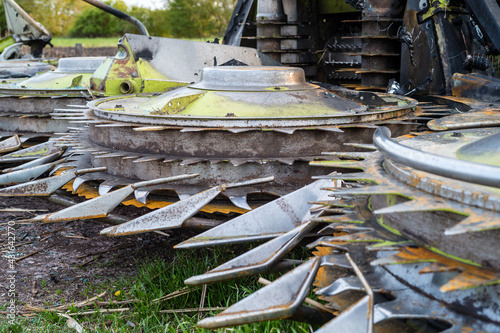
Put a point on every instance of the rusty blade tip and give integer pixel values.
(37, 218)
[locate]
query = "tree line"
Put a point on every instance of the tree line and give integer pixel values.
(178, 18)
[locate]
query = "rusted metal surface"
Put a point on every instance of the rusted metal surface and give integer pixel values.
(400, 215)
(221, 144)
(25, 175)
(477, 86)
(32, 153)
(10, 144)
(45, 186)
(444, 43)
(484, 118)
(39, 161)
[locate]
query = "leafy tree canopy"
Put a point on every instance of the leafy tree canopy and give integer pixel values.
(180, 18)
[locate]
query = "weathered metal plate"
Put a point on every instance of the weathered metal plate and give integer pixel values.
(476, 119)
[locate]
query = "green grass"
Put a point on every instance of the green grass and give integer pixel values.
(102, 42)
(86, 42)
(157, 278)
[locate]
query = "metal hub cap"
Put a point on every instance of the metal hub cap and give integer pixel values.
(251, 78)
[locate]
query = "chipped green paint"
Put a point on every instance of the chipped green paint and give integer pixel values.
(178, 104)
(42, 151)
(75, 81)
(123, 74)
(220, 104)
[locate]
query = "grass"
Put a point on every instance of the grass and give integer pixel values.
(101, 42)
(157, 278)
(86, 42)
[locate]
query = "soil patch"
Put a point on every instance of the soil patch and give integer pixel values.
(67, 257)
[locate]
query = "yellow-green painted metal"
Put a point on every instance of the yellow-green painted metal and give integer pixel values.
(6, 42)
(123, 74)
(69, 80)
(155, 64)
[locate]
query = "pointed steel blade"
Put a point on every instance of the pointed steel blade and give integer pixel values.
(335, 261)
(415, 205)
(479, 220)
(45, 186)
(368, 237)
(370, 190)
(32, 153)
(402, 309)
(39, 161)
(240, 202)
(353, 155)
(361, 145)
(103, 205)
(141, 194)
(356, 176)
(353, 319)
(10, 144)
(347, 227)
(280, 299)
(25, 175)
(255, 261)
(399, 258)
(111, 183)
(341, 285)
(345, 164)
(267, 221)
(94, 208)
(346, 218)
(472, 277)
(173, 216)
(79, 181)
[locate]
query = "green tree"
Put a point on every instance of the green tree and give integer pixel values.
(94, 22)
(3, 20)
(198, 18)
(154, 20)
(56, 15)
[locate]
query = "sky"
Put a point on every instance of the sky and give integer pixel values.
(153, 4)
